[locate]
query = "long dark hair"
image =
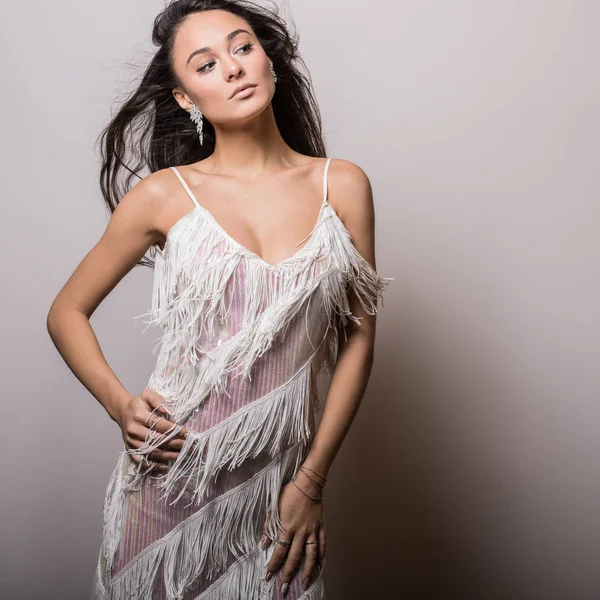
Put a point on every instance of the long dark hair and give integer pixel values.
(151, 131)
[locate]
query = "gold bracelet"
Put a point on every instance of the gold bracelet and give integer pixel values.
(318, 485)
(294, 482)
(321, 476)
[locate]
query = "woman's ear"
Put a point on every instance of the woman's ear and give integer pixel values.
(182, 99)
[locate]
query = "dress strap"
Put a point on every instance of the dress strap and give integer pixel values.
(325, 180)
(322, 209)
(186, 186)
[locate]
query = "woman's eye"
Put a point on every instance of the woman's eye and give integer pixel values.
(205, 68)
(247, 46)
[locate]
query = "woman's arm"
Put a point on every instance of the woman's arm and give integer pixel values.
(351, 191)
(131, 230)
(128, 236)
(301, 510)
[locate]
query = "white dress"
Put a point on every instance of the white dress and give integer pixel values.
(241, 344)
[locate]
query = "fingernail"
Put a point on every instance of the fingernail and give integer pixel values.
(284, 587)
(269, 575)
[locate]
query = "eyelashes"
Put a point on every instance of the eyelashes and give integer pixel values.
(246, 47)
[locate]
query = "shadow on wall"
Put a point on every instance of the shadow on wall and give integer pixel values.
(419, 503)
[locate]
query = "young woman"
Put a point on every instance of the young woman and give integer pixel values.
(264, 275)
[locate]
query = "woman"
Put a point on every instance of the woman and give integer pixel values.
(263, 255)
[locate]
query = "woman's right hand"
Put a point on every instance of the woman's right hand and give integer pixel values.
(143, 413)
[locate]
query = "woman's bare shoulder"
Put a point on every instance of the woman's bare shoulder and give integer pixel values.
(349, 189)
(157, 184)
(157, 201)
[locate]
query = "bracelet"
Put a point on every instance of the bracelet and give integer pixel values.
(318, 486)
(311, 497)
(321, 476)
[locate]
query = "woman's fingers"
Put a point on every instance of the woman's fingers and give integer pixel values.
(322, 544)
(155, 454)
(156, 405)
(165, 429)
(312, 556)
(292, 561)
(279, 553)
(150, 430)
(154, 400)
(145, 461)
(160, 431)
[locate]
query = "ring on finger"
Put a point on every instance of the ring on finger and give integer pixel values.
(313, 542)
(153, 414)
(158, 418)
(286, 544)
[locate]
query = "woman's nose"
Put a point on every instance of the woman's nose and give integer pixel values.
(233, 69)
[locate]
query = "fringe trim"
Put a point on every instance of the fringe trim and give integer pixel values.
(187, 387)
(98, 590)
(189, 303)
(245, 580)
(316, 590)
(359, 275)
(272, 322)
(281, 417)
(186, 305)
(114, 508)
(202, 544)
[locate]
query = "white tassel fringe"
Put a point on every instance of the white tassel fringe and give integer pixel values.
(201, 545)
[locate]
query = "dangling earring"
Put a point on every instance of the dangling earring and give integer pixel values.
(273, 74)
(196, 117)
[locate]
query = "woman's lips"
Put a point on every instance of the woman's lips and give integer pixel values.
(245, 92)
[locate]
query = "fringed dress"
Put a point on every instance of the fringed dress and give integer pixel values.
(242, 342)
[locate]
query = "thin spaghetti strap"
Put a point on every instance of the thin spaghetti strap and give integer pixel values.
(325, 181)
(323, 204)
(186, 186)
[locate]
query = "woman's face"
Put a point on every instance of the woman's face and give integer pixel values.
(214, 52)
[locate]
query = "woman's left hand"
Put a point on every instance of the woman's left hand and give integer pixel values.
(302, 519)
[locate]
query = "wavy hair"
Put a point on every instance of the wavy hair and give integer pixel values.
(151, 131)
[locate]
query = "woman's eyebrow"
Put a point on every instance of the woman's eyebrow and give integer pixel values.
(228, 37)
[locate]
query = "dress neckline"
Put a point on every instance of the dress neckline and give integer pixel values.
(243, 249)
(233, 242)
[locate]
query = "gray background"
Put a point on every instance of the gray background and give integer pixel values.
(471, 471)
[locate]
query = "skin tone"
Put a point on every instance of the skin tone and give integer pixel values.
(267, 197)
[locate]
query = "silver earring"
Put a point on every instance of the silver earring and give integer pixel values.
(196, 117)
(273, 74)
